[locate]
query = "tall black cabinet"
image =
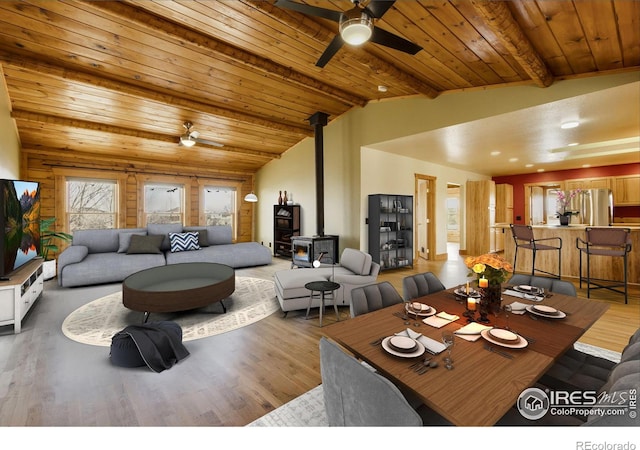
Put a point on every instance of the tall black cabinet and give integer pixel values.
(286, 225)
(391, 230)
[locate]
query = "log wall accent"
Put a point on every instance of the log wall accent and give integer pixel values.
(47, 167)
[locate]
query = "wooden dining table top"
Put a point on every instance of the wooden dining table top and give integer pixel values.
(483, 385)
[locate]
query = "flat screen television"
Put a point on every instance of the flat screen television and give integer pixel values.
(19, 224)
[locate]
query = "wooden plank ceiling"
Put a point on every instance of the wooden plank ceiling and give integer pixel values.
(119, 79)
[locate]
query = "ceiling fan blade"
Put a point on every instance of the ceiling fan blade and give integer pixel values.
(208, 142)
(391, 40)
(310, 10)
(330, 51)
(377, 8)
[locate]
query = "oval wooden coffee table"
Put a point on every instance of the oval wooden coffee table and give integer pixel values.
(178, 287)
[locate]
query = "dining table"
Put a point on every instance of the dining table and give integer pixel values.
(488, 376)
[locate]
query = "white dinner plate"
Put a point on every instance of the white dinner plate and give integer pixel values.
(418, 352)
(403, 344)
(502, 335)
(521, 343)
(559, 315)
(426, 313)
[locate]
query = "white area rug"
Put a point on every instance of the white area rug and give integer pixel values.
(96, 322)
(308, 410)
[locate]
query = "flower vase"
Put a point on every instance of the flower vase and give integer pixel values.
(491, 301)
(564, 221)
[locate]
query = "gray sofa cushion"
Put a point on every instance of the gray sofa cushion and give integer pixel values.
(356, 261)
(241, 254)
(124, 239)
(101, 241)
(164, 229)
(219, 234)
(98, 268)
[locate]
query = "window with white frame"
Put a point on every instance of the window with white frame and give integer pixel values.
(164, 203)
(220, 205)
(91, 203)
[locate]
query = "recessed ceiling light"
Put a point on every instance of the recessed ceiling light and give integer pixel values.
(382, 88)
(513, 159)
(586, 165)
(573, 144)
(529, 165)
(571, 124)
(540, 170)
(495, 153)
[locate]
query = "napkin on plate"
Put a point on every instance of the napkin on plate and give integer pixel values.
(518, 308)
(471, 332)
(440, 319)
(434, 347)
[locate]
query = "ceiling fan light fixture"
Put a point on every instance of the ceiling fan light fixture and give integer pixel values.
(187, 141)
(357, 30)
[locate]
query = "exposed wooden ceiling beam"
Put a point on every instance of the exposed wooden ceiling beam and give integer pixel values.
(86, 125)
(499, 19)
(320, 33)
(24, 62)
(221, 48)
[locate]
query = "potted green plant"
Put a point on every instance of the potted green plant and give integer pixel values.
(48, 246)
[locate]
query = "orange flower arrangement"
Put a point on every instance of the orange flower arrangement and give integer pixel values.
(491, 266)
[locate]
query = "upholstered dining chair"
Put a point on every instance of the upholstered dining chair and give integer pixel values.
(414, 286)
(605, 242)
(546, 283)
(356, 396)
(373, 297)
(524, 238)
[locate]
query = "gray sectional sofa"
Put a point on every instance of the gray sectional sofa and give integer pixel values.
(108, 256)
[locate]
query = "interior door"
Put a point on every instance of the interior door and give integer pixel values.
(538, 212)
(422, 219)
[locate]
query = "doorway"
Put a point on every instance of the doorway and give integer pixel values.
(453, 220)
(425, 194)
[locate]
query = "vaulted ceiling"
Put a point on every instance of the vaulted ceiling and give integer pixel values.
(119, 79)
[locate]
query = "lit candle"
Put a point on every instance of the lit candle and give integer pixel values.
(471, 304)
(483, 282)
(467, 288)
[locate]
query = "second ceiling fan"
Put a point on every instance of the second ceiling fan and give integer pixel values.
(356, 26)
(191, 137)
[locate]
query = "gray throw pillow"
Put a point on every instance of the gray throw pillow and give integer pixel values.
(145, 244)
(124, 239)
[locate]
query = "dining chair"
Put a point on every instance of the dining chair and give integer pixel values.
(524, 238)
(373, 297)
(546, 283)
(418, 285)
(608, 242)
(356, 396)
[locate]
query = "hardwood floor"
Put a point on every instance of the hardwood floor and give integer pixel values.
(228, 380)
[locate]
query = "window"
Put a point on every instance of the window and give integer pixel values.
(163, 203)
(91, 203)
(219, 204)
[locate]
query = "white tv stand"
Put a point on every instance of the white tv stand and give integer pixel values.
(20, 292)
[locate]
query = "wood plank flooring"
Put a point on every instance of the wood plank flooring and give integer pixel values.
(228, 380)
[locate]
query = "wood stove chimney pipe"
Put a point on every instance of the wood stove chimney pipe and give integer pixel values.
(318, 120)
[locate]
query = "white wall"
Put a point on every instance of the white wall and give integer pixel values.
(385, 173)
(346, 184)
(9, 144)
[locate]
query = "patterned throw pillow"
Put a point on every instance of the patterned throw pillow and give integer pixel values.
(181, 242)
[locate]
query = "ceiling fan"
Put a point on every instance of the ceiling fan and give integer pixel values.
(191, 137)
(356, 26)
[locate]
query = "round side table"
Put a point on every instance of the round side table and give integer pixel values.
(322, 287)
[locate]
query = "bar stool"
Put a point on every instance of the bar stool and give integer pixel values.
(613, 242)
(523, 238)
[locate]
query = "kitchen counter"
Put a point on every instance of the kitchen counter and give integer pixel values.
(601, 267)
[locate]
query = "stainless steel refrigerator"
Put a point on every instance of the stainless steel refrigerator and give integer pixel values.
(595, 207)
